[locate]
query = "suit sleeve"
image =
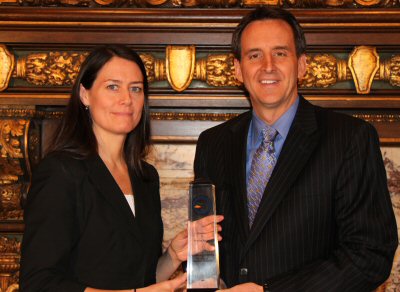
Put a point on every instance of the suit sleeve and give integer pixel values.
(200, 167)
(51, 231)
(367, 233)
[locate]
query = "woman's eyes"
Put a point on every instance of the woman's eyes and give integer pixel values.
(113, 86)
(134, 89)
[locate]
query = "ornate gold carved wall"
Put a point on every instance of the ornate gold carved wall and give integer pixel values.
(180, 67)
(206, 3)
(353, 66)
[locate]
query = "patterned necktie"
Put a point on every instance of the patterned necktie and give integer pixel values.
(263, 163)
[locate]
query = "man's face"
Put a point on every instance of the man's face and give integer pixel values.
(269, 67)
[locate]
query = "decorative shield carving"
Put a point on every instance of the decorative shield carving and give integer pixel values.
(180, 61)
(6, 67)
(363, 64)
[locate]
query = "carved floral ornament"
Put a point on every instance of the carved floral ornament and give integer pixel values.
(206, 3)
(180, 67)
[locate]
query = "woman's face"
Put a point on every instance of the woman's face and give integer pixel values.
(116, 98)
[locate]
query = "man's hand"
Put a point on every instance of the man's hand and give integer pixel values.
(246, 287)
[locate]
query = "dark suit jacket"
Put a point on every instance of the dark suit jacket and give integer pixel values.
(325, 222)
(80, 230)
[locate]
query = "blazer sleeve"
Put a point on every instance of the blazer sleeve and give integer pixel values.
(366, 226)
(51, 230)
(200, 170)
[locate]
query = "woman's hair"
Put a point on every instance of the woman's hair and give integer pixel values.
(269, 13)
(75, 135)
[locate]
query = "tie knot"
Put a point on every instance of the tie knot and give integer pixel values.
(269, 134)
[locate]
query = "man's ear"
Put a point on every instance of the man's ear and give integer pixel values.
(238, 70)
(301, 67)
(83, 94)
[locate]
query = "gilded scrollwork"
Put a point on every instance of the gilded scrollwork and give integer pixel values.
(321, 71)
(336, 3)
(180, 67)
(379, 118)
(208, 3)
(11, 131)
(50, 69)
(217, 70)
(155, 68)
(10, 206)
(10, 250)
(10, 170)
(395, 71)
(205, 3)
(192, 116)
(12, 136)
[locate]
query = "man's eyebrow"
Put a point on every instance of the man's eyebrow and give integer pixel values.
(286, 48)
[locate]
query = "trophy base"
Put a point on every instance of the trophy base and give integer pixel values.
(202, 289)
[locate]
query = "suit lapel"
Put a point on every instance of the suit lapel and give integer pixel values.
(237, 168)
(300, 143)
(107, 187)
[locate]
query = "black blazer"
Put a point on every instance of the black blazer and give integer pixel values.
(325, 222)
(80, 231)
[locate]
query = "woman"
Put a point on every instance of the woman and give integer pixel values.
(93, 211)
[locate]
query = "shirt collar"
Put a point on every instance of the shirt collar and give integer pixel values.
(282, 125)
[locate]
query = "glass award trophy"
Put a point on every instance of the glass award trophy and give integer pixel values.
(202, 265)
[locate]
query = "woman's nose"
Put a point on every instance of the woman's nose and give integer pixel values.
(126, 97)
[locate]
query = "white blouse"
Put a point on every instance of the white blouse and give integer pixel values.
(131, 201)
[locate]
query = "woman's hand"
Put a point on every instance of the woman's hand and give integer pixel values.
(177, 283)
(202, 231)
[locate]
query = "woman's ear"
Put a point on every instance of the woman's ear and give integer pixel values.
(83, 94)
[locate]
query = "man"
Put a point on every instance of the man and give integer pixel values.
(302, 189)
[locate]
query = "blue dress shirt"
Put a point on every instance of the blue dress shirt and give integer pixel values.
(282, 125)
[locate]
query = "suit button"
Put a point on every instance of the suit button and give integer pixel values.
(266, 288)
(243, 272)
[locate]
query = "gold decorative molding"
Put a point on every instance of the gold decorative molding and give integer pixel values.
(50, 69)
(363, 66)
(374, 118)
(337, 3)
(6, 66)
(17, 112)
(192, 116)
(217, 70)
(379, 118)
(206, 3)
(262, 2)
(155, 68)
(10, 250)
(392, 71)
(180, 68)
(10, 199)
(323, 71)
(14, 165)
(11, 131)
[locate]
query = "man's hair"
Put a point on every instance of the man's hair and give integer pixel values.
(268, 13)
